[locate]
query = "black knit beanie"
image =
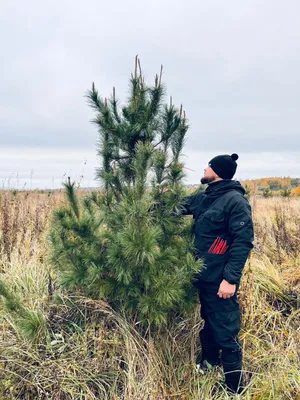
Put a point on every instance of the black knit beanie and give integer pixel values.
(224, 165)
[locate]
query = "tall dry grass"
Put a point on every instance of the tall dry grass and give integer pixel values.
(88, 351)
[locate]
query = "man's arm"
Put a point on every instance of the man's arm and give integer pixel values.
(241, 231)
(188, 205)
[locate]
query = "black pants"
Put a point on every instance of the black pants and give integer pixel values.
(220, 332)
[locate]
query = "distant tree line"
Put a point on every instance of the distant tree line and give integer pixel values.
(268, 187)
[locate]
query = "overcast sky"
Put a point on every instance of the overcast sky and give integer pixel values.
(234, 65)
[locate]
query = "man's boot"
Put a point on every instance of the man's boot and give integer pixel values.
(210, 355)
(233, 372)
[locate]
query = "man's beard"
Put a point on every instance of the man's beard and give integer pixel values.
(204, 180)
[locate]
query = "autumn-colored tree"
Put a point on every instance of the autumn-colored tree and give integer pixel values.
(274, 183)
(296, 191)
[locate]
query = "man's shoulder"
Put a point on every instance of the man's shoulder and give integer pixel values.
(196, 194)
(233, 195)
(235, 198)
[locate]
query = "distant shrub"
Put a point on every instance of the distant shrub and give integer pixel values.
(248, 191)
(286, 193)
(295, 182)
(267, 192)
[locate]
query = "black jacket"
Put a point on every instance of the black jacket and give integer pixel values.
(223, 230)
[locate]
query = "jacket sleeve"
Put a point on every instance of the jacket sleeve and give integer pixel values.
(242, 235)
(188, 205)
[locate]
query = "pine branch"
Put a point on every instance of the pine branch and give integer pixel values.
(30, 324)
(94, 100)
(178, 139)
(114, 105)
(170, 124)
(72, 198)
(156, 95)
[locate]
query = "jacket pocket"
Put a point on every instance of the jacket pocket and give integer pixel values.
(227, 324)
(215, 215)
(214, 221)
(228, 316)
(213, 267)
(219, 246)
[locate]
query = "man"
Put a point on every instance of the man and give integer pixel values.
(223, 232)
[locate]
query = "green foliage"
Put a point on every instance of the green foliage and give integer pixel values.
(295, 182)
(267, 192)
(248, 192)
(128, 243)
(30, 324)
(286, 193)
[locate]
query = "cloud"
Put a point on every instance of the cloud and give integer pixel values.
(234, 67)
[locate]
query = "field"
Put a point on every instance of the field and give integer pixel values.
(82, 349)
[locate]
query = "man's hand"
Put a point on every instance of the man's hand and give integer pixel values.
(162, 189)
(226, 290)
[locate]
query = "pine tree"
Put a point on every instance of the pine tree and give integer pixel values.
(128, 242)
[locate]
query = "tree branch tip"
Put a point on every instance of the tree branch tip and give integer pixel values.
(160, 75)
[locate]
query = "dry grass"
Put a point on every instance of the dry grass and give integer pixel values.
(91, 352)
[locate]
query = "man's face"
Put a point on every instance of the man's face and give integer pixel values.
(209, 176)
